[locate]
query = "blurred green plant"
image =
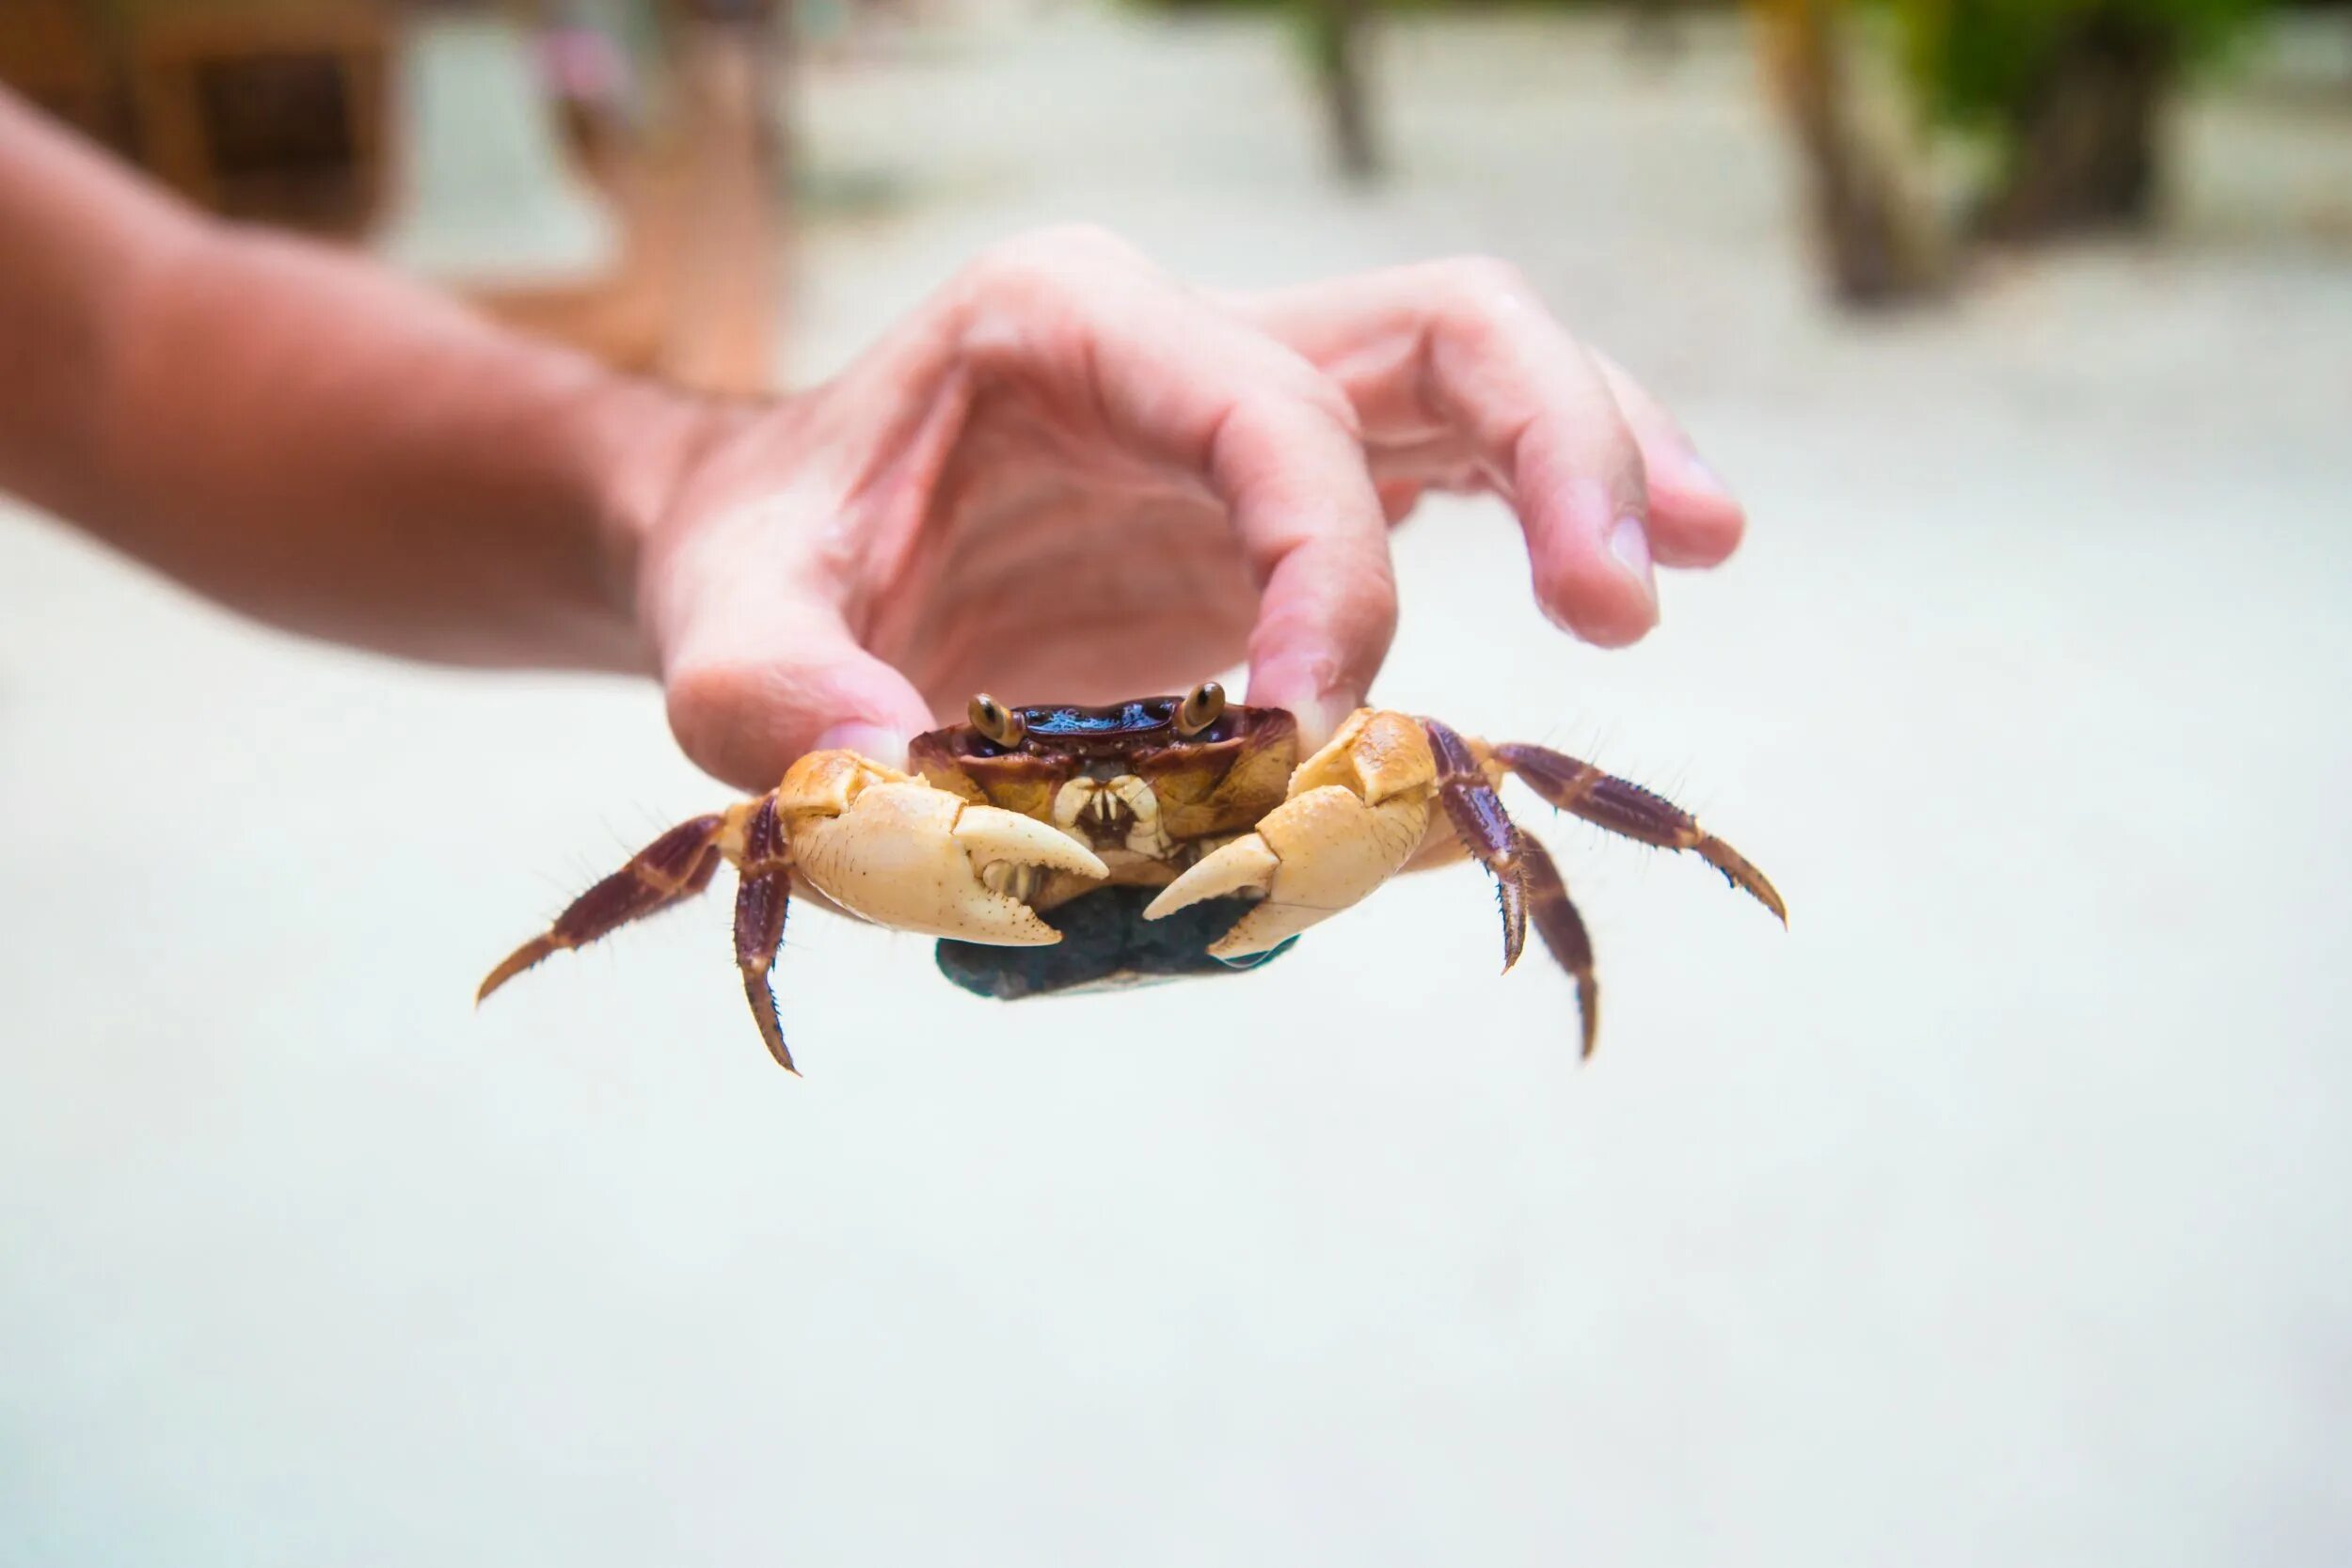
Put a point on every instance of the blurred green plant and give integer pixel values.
(1979, 62)
(2069, 100)
(2072, 94)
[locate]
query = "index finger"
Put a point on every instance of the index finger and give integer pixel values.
(1317, 537)
(1228, 407)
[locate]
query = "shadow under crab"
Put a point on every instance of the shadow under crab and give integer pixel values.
(1107, 945)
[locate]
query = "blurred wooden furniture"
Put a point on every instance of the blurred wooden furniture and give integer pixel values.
(692, 179)
(52, 54)
(269, 111)
(285, 111)
(697, 297)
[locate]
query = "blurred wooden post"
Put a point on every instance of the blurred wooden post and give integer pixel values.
(52, 54)
(1873, 222)
(729, 289)
(2088, 137)
(1340, 34)
(1655, 30)
(694, 295)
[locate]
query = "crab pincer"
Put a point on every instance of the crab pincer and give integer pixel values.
(1355, 813)
(899, 852)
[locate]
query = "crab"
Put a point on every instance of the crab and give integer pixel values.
(1180, 814)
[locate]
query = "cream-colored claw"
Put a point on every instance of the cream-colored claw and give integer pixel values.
(1245, 866)
(916, 859)
(1358, 811)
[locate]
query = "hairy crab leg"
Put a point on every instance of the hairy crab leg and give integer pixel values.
(1485, 829)
(672, 868)
(1626, 808)
(1562, 930)
(763, 896)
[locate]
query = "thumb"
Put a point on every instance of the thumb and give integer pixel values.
(744, 708)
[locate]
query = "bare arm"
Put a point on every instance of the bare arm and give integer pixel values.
(309, 439)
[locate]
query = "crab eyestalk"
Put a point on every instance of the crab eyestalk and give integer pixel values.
(1200, 709)
(1004, 726)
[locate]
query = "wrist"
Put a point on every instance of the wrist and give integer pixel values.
(645, 442)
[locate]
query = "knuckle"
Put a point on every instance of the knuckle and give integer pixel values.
(1043, 258)
(1485, 299)
(1026, 297)
(1322, 395)
(1490, 284)
(1286, 397)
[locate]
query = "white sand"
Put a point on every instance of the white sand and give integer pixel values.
(1996, 1213)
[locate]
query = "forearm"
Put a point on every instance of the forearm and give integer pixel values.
(309, 439)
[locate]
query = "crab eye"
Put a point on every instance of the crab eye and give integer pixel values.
(1200, 707)
(995, 720)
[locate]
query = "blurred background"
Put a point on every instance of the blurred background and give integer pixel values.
(1998, 1212)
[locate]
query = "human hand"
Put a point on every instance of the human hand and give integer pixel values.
(1067, 476)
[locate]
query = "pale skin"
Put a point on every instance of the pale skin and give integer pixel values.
(1065, 475)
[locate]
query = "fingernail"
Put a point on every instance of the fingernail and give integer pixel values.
(1320, 720)
(1628, 541)
(870, 741)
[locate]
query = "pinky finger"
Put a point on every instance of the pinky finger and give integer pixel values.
(1694, 521)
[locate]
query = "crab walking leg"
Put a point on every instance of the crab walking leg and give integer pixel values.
(763, 893)
(1562, 930)
(1357, 812)
(673, 867)
(1625, 808)
(1485, 829)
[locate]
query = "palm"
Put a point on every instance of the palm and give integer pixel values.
(1055, 566)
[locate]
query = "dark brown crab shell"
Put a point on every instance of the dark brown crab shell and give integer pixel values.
(1213, 784)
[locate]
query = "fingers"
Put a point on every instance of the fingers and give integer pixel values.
(1489, 367)
(1461, 358)
(1310, 420)
(1693, 518)
(1218, 401)
(748, 695)
(1316, 534)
